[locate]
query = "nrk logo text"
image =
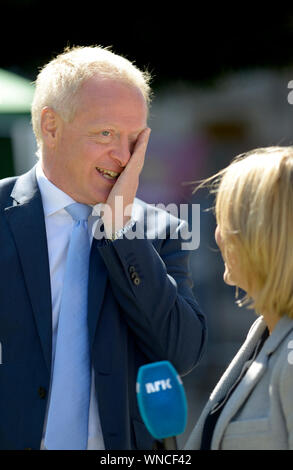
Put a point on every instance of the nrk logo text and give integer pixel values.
(158, 385)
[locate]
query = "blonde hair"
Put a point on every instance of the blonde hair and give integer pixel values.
(59, 81)
(254, 211)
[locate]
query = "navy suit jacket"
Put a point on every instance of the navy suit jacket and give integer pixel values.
(132, 318)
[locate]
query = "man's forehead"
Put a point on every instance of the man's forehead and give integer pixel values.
(108, 90)
(106, 103)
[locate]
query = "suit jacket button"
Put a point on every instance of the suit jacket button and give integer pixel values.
(131, 269)
(42, 392)
(136, 281)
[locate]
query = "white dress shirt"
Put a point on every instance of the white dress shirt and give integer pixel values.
(59, 226)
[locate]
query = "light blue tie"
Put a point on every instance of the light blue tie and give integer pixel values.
(67, 424)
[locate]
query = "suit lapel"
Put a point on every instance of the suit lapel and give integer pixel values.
(234, 369)
(225, 383)
(252, 376)
(238, 397)
(96, 289)
(26, 221)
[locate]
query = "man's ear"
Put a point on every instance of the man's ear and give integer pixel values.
(50, 126)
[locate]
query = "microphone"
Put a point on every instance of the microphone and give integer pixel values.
(162, 402)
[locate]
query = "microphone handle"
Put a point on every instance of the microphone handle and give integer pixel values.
(169, 443)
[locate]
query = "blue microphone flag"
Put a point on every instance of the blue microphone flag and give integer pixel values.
(161, 399)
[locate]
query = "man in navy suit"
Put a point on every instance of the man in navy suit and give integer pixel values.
(89, 116)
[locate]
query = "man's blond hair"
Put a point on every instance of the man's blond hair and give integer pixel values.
(59, 81)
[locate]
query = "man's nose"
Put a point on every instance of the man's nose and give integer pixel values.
(121, 153)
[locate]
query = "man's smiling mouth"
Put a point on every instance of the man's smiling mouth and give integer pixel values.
(109, 174)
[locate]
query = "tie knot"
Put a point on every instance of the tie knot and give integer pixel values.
(79, 211)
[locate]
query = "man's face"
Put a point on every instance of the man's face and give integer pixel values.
(109, 118)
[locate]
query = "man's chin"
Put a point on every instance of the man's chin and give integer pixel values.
(97, 197)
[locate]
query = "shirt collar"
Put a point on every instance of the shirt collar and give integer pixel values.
(54, 199)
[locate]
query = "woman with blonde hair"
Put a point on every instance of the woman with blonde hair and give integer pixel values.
(251, 407)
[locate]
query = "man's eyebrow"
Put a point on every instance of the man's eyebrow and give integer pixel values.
(103, 125)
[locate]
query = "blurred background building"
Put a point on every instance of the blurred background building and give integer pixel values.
(221, 81)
